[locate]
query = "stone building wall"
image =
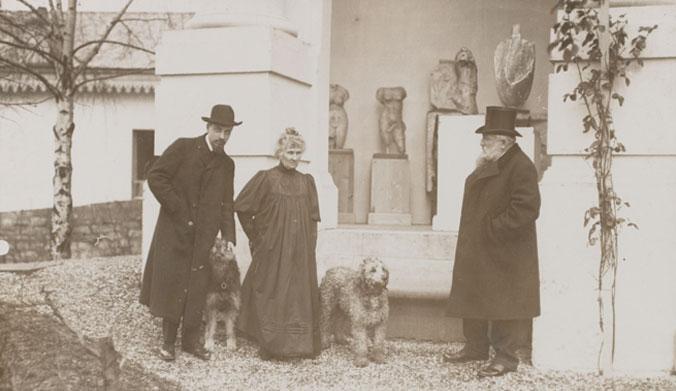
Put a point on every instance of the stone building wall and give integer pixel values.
(105, 229)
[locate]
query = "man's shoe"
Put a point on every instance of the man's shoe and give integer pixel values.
(167, 353)
(464, 355)
(199, 352)
(494, 369)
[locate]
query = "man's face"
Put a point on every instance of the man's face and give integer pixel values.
(490, 143)
(218, 135)
(290, 157)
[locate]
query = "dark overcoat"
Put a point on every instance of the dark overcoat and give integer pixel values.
(495, 274)
(192, 184)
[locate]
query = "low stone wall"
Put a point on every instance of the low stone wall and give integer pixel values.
(107, 229)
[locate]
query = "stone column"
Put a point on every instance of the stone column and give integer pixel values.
(566, 335)
(248, 54)
(233, 13)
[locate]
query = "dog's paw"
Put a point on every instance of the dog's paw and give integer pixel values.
(378, 357)
(209, 345)
(231, 344)
(361, 362)
(326, 342)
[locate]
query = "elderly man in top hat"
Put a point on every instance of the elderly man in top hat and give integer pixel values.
(193, 182)
(495, 275)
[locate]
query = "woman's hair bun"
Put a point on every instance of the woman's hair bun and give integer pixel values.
(291, 131)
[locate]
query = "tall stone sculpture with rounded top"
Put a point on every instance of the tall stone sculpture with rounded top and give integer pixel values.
(337, 116)
(514, 62)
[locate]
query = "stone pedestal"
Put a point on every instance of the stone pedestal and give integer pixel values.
(458, 148)
(245, 53)
(567, 336)
(390, 190)
(341, 167)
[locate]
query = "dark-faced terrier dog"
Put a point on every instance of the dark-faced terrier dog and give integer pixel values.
(223, 295)
(358, 301)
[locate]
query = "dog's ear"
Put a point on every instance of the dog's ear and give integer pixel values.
(387, 273)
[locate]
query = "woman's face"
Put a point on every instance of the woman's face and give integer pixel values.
(290, 157)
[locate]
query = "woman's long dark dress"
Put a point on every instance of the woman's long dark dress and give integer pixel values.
(279, 211)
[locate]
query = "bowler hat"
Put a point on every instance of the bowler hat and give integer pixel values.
(222, 115)
(499, 120)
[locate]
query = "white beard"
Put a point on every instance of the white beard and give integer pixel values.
(489, 155)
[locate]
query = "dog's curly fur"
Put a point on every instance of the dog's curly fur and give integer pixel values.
(358, 300)
(223, 295)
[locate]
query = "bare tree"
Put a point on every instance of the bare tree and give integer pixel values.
(40, 44)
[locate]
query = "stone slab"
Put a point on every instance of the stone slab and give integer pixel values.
(341, 167)
(389, 218)
(346, 218)
(390, 185)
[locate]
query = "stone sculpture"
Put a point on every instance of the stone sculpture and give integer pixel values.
(337, 116)
(392, 127)
(514, 63)
(453, 84)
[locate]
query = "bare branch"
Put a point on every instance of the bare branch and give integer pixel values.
(32, 48)
(35, 11)
(129, 45)
(50, 87)
(26, 103)
(22, 27)
(104, 37)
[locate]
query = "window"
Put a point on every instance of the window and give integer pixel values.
(143, 155)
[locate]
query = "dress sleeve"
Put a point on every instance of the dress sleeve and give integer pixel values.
(248, 202)
(314, 199)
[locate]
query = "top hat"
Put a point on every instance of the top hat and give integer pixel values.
(222, 115)
(499, 120)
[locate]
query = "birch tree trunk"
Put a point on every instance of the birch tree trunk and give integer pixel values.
(62, 213)
(63, 171)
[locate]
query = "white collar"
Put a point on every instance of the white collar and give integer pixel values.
(208, 143)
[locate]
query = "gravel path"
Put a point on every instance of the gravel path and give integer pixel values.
(98, 298)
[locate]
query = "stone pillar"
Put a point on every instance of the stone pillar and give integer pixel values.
(390, 190)
(233, 13)
(248, 54)
(566, 335)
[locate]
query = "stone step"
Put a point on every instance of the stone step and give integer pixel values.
(419, 259)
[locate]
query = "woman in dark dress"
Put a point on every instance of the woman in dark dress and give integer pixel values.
(278, 210)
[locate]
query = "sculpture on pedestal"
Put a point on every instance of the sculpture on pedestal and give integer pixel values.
(453, 88)
(337, 116)
(392, 126)
(453, 84)
(514, 63)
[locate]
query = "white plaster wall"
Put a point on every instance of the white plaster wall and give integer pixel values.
(102, 149)
(566, 335)
(380, 43)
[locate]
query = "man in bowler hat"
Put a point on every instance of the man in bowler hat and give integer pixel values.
(495, 275)
(193, 182)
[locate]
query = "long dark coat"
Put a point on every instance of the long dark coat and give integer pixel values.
(192, 184)
(495, 275)
(279, 211)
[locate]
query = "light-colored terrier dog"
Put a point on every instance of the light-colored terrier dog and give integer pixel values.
(354, 308)
(223, 295)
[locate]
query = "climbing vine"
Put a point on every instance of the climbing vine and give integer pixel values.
(596, 48)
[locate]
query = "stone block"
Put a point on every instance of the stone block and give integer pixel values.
(390, 190)
(389, 219)
(341, 167)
